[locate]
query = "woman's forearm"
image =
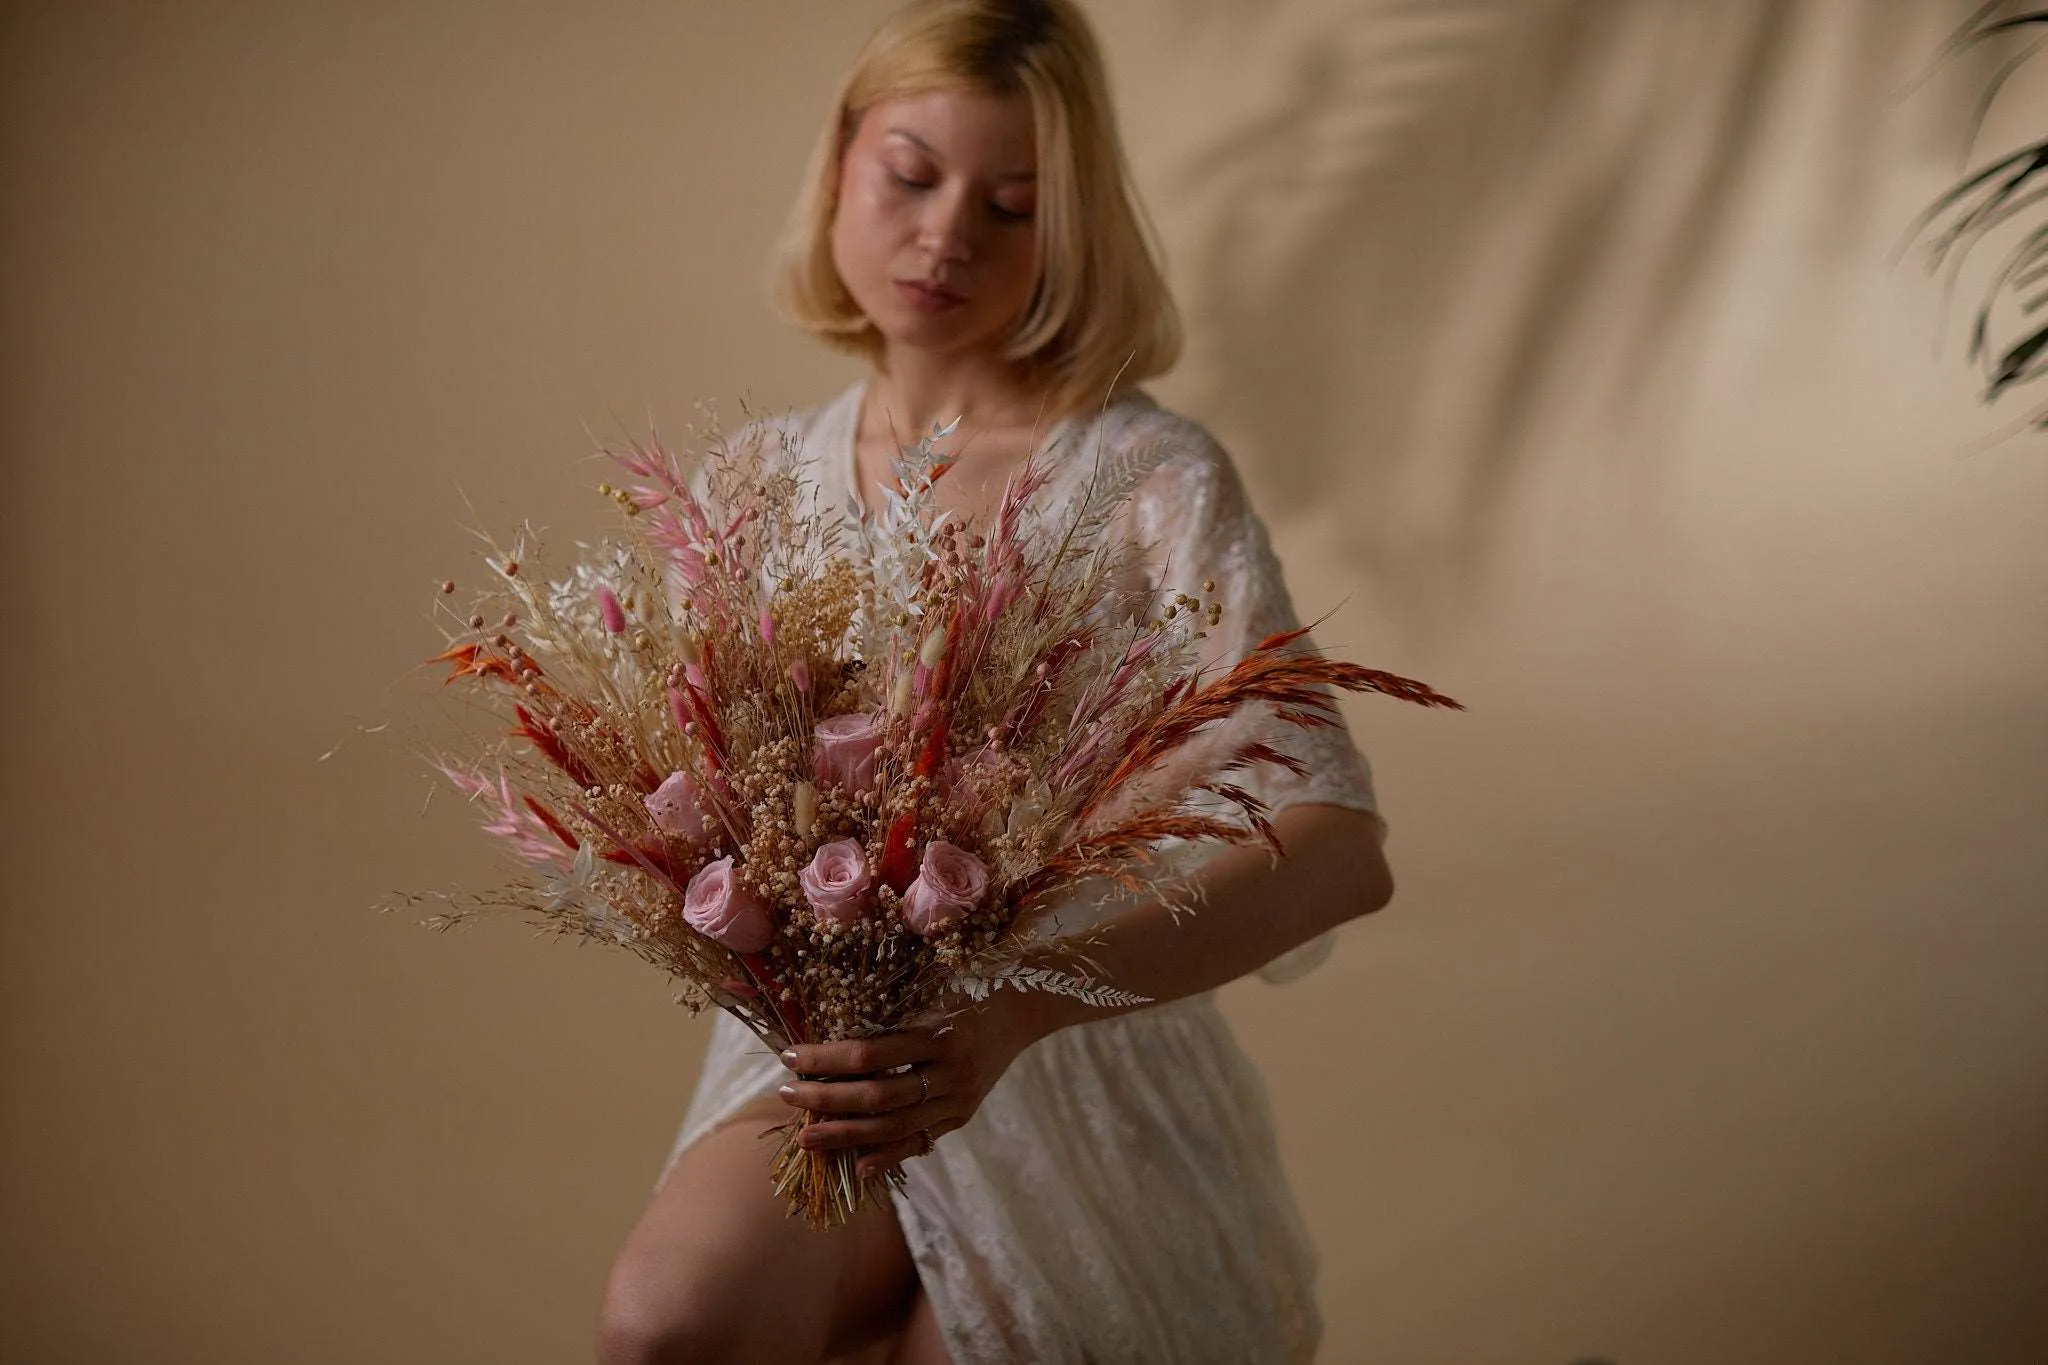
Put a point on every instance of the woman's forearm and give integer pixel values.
(1250, 910)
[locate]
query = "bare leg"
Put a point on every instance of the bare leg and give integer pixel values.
(921, 1343)
(715, 1270)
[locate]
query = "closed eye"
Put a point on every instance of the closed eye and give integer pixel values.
(1006, 215)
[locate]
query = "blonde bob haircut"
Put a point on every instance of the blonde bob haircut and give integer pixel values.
(1100, 316)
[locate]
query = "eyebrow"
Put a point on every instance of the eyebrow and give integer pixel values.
(926, 148)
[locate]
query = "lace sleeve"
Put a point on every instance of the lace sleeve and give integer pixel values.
(1193, 513)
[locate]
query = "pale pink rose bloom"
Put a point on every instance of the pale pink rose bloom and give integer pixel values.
(674, 807)
(949, 884)
(837, 880)
(845, 753)
(718, 907)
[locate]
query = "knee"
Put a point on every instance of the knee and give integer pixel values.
(644, 1320)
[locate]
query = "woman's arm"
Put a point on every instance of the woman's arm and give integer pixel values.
(1250, 911)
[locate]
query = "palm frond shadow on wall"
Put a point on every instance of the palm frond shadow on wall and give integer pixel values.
(1440, 243)
(2000, 203)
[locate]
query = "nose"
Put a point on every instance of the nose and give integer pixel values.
(945, 229)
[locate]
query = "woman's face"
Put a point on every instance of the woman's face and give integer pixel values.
(933, 233)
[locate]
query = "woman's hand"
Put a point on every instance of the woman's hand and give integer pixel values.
(953, 1063)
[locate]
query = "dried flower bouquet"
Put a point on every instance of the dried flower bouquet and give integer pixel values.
(828, 771)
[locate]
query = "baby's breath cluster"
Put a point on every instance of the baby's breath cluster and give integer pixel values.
(773, 852)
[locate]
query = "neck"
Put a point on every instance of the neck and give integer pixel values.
(917, 390)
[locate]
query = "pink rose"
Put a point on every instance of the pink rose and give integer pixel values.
(845, 755)
(948, 885)
(674, 807)
(837, 880)
(718, 907)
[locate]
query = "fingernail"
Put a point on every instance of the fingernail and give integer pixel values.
(788, 1092)
(789, 1058)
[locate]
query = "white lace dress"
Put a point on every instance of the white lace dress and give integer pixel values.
(1118, 1196)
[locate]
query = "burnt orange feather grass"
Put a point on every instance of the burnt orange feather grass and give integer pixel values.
(542, 737)
(554, 824)
(1293, 683)
(1123, 853)
(1119, 855)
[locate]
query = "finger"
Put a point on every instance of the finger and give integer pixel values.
(894, 1153)
(860, 1056)
(869, 1095)
(876, 1130)
(938, 1017)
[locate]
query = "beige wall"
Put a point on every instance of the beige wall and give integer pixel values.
(1559, 343)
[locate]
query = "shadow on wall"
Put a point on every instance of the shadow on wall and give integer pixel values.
(1990, 225)
(1426, 248)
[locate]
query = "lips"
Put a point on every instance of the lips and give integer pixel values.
(928, 297)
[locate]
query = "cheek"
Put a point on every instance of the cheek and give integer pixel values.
(868, 221)
(845, 238)
(853, 237)
(1017, 256)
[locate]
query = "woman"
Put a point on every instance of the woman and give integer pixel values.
(1087, 1184)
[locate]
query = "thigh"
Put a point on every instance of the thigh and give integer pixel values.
(716, 1259)
(921, 1343)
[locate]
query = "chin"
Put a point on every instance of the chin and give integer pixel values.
(930, 334)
